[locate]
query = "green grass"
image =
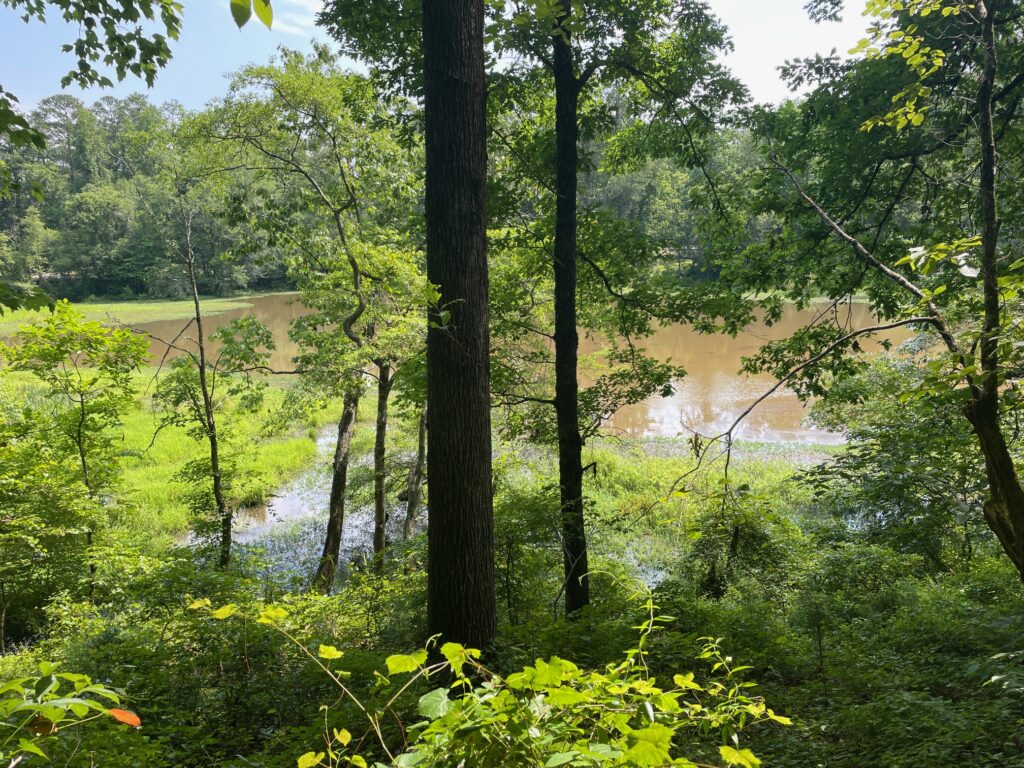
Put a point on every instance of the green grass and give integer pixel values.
(152, 507)
(129, 311)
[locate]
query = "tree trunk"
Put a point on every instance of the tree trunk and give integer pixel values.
(570, 442)
(1004, 509)
(3, 619)
(414, 482)
(224, 514)
(380, 507)
(327, 569)
(460, 541)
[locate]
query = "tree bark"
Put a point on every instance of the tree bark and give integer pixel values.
(1004, 509)
(414, 482)
(460, 540)
(570, 441)
(380, 508)
(327, 569)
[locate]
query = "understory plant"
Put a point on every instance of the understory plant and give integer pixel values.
(550, 713)
(37, 710)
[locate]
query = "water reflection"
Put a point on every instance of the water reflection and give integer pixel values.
(707, 400)
(713, 393)
(276, 311)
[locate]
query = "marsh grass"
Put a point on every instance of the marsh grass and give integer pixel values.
(151, 499)
(129, 311)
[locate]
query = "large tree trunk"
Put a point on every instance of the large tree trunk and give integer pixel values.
(570, 442)
(460, 541)
(1004, 509)
(380, 506)
(327, 569)
(414, 482)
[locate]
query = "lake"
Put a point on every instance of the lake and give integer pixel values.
(707, 400)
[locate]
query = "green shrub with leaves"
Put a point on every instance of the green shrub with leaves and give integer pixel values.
(550, 713)
(37, 711)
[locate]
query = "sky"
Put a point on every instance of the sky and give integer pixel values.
(765, 34)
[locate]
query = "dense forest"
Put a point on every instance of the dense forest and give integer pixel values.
(319, 432)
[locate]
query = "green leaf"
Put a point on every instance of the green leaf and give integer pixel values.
(434, 704)
(457, 655)
(343, 737)
(25, 745)
(405, 662)
(560, 758)
(741, 757)
(686, 681)
(225, 611)
(310, 759)
(330, 652)
(272, 614)
(566, 697)
(241, 10)
(779, 718)
(263, 12)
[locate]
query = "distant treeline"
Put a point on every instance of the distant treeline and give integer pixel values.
(81, 220)
(88, 215)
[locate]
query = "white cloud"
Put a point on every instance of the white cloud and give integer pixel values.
(297, 17)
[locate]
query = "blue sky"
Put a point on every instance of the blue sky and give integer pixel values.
(765, 33)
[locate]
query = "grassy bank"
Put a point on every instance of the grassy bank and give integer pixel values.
(130, 311)
(153, 501)
(150, 508)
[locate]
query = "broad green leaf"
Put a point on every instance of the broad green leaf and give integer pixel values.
(27, 746)
(405, 662)
(225, 611)
(741, 757)
(330, 652)
(263, 11)
(241, 10)
(686, 681)
(310, 759)
(343, 737)
(272, 614)
(560, 758)
(779, 718)
(434, 704)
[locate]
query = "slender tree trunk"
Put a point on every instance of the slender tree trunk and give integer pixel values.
(460, 541)
(1004, 509)
(414, 482)
(224, 513)
(3, 619)
(380, 507)
(87, 482)
(570, 442)
(327, 569)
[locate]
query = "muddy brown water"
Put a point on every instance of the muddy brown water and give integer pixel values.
(707, 400)
(712, 394)
(289, 528)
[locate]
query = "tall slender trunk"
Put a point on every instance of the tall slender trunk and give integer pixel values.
(380, 508)
(87, 482)
(3, 619)
(570, 442)
(224, 513)
(1004, 509)
(414, 482)
(460, 540)
(327, 569)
